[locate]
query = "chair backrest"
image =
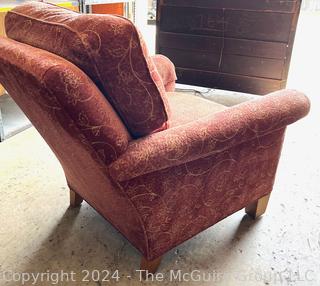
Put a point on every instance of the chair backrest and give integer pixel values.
(108, 48)
(61, 102)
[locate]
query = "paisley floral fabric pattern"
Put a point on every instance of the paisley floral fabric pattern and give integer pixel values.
(26, 73)
(108, 49)
(185, 179)
(68, 90)
(210, 135)
(179, 202)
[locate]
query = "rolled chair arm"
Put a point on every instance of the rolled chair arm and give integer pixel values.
(211, 134)
(167, 71)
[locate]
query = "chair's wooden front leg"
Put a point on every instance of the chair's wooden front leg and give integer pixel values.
(150, 266)
(75, 199)
(258, 208)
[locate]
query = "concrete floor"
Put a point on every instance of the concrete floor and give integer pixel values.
(39, 234)
(12, 119)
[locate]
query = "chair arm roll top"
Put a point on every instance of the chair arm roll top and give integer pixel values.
(166, 71)
(216, 133)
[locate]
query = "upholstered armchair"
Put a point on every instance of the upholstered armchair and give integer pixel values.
(160, 166)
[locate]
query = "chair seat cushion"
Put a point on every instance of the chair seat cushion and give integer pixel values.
(108, 48)
(186, 108)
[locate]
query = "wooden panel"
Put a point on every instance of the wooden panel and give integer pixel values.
(291, 39)
(231, 44)
(253, 48)
(233, 64)
(239, 83)
(116, 9)
(192, 21)
(253, 25)
(258, 5)
(252, 66)
(260, 26)
(190, 42)
(2, 30)
(197, 60)
(2, 33)
(263, 49)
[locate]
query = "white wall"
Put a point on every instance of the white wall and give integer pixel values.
(142, 15)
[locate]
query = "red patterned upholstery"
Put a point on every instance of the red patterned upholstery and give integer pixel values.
(164, 188)
(167, 72)
(181, 200)
(210, 135)
(66, 93)
(109, 49)
(83, 152)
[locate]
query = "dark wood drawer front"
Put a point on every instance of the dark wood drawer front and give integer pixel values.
(253, 85)
(257, 5)
(252, 25)
(200, 43)
(234, 64)
(216, 43)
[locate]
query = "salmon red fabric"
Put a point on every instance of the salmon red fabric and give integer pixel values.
(109, 49)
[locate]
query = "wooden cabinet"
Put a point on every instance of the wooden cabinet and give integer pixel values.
(229, 44)
(117, 9)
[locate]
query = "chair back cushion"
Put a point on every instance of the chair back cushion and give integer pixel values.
(108, 48)
(55, 95)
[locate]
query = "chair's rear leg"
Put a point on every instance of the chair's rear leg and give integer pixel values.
(75, 199)
(150, 266)
(258, 208)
